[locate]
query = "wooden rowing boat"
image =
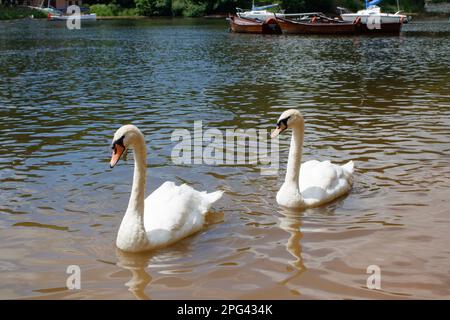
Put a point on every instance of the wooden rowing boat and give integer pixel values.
(247, 25)
(318, 25)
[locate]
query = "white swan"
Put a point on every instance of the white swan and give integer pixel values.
(169, 214)
(312, 183)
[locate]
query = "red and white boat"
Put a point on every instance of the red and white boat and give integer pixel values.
(375, 21)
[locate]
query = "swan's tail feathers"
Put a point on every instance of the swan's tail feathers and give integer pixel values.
(208, 199)
(348, 167)
(213, 196)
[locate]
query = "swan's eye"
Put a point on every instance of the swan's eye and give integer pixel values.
(283, 121)
(118, 142)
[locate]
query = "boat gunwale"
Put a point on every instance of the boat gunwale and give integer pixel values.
(254, 21)
(331, 23)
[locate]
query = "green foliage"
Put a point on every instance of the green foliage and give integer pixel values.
(154, 7)
(104, 9)
(110, 10)
(195, 8)
(221, 6)
(121, 3)
(330, 5)
(178, 7)
(352, 5)
(323, 5)
(189, 8)
(128, 12)
(18, 12)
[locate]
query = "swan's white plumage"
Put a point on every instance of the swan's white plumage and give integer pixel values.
(169, 214)
(321, 182)
(174, 212)
(314, 182)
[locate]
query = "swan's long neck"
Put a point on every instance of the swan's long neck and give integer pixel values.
(136, 203)
(132, 236)
(295, 155)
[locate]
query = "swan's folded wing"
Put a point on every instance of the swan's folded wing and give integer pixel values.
(172, 207)
(317, 174)
(322, 181)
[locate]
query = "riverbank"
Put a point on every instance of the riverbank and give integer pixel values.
(19, 12)
(121, 17)
(414, 15)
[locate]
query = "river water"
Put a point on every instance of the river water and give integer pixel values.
(383, 102)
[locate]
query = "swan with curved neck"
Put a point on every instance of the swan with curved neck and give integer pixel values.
(169, 214)
(312, 183)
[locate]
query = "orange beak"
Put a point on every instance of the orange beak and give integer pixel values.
(116, 154)
(275, 132)
(279, 129)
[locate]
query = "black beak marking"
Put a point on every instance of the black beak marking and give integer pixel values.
(283, 121)
(119, 142)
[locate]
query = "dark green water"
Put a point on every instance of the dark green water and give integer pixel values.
(383, 102)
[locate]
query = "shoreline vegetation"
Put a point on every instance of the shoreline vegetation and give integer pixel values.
(211, 8)
(19, 12)
(141, 9)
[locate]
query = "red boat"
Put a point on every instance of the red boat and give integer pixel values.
(319, 25)
(247, 25)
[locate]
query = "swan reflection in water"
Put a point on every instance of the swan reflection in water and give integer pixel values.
(136, 263)
(290, 221)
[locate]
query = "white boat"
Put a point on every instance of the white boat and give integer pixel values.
(90, 16)
(54, 14)
(259, 13)
(373, 12)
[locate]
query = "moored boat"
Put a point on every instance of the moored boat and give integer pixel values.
(90, 16)
(247, 25)
(259, 13)
(54, 14)
(374, 21)
(318, 24)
